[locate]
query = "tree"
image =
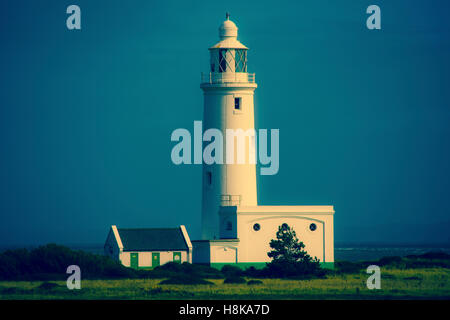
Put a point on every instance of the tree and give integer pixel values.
(289, 259)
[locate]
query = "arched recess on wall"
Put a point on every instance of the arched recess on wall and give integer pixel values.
(251, 222)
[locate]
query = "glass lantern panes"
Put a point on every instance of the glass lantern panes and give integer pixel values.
(230, 60)
(222, 60)
(240, 60)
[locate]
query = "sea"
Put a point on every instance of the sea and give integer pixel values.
(342, 252)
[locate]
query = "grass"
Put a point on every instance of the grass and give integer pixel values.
(421, 283)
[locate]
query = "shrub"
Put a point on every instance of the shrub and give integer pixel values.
(413, 278)
(50, 262)
(231, 271)
(438, 255)
(390, 261)
(252, 272)
(48, 286)
(296, 270)
(253, 282)
(179, 279)
(172, 269)
(234, 279)
(347, 267)
(202, 271)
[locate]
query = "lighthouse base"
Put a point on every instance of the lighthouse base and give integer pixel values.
(246, 232)
(261, 265)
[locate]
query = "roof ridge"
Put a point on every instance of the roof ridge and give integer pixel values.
(148, 239)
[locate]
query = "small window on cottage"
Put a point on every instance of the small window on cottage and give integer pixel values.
(177, 257)
(229, 226)
(237, 103)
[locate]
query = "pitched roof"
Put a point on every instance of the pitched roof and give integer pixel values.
(154, 239)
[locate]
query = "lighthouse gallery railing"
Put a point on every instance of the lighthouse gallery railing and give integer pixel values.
(223, 77)
(230, 200)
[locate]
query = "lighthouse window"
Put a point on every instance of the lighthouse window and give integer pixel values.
(312, 227)
(237, 103)
(222, 60)
(209, 178)
(240, 60)
(256, 227)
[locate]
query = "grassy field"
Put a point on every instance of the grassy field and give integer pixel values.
(426, 283)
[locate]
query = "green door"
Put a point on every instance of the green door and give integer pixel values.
(177, 257)
(155, 259)
(134, 260)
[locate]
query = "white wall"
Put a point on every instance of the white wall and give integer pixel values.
(212, 251)
(223, 251)
(145, 257)
(125, 258)
(254, 245)
(258, 241)
(231, 179)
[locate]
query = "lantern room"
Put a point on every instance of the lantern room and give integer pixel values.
(229, 55)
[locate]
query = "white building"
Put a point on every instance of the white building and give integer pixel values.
(234, 228)
(147, 248)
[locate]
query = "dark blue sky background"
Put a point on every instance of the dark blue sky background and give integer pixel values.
(86, 116)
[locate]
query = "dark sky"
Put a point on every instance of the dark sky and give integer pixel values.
(86, 116)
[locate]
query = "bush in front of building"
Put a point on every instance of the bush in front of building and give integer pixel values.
(231, 271)
(235, 280)
(174, 269)
(254, 282)
(180, 279)
(50, 262)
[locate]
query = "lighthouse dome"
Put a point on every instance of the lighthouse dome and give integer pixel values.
(228, 29)
(228, 36)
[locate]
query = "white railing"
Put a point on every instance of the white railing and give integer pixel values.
(223, 77)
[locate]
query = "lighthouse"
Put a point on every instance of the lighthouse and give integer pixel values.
(228, 104)
(235, 228)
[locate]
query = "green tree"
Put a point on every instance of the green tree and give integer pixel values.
(289, 259)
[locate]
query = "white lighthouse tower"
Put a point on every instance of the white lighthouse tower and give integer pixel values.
(235, 229)
(228, 104)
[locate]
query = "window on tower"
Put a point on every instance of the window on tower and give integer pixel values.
(209, 178)
(237, 103)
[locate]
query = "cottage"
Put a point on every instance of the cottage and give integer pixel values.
(148, 247)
